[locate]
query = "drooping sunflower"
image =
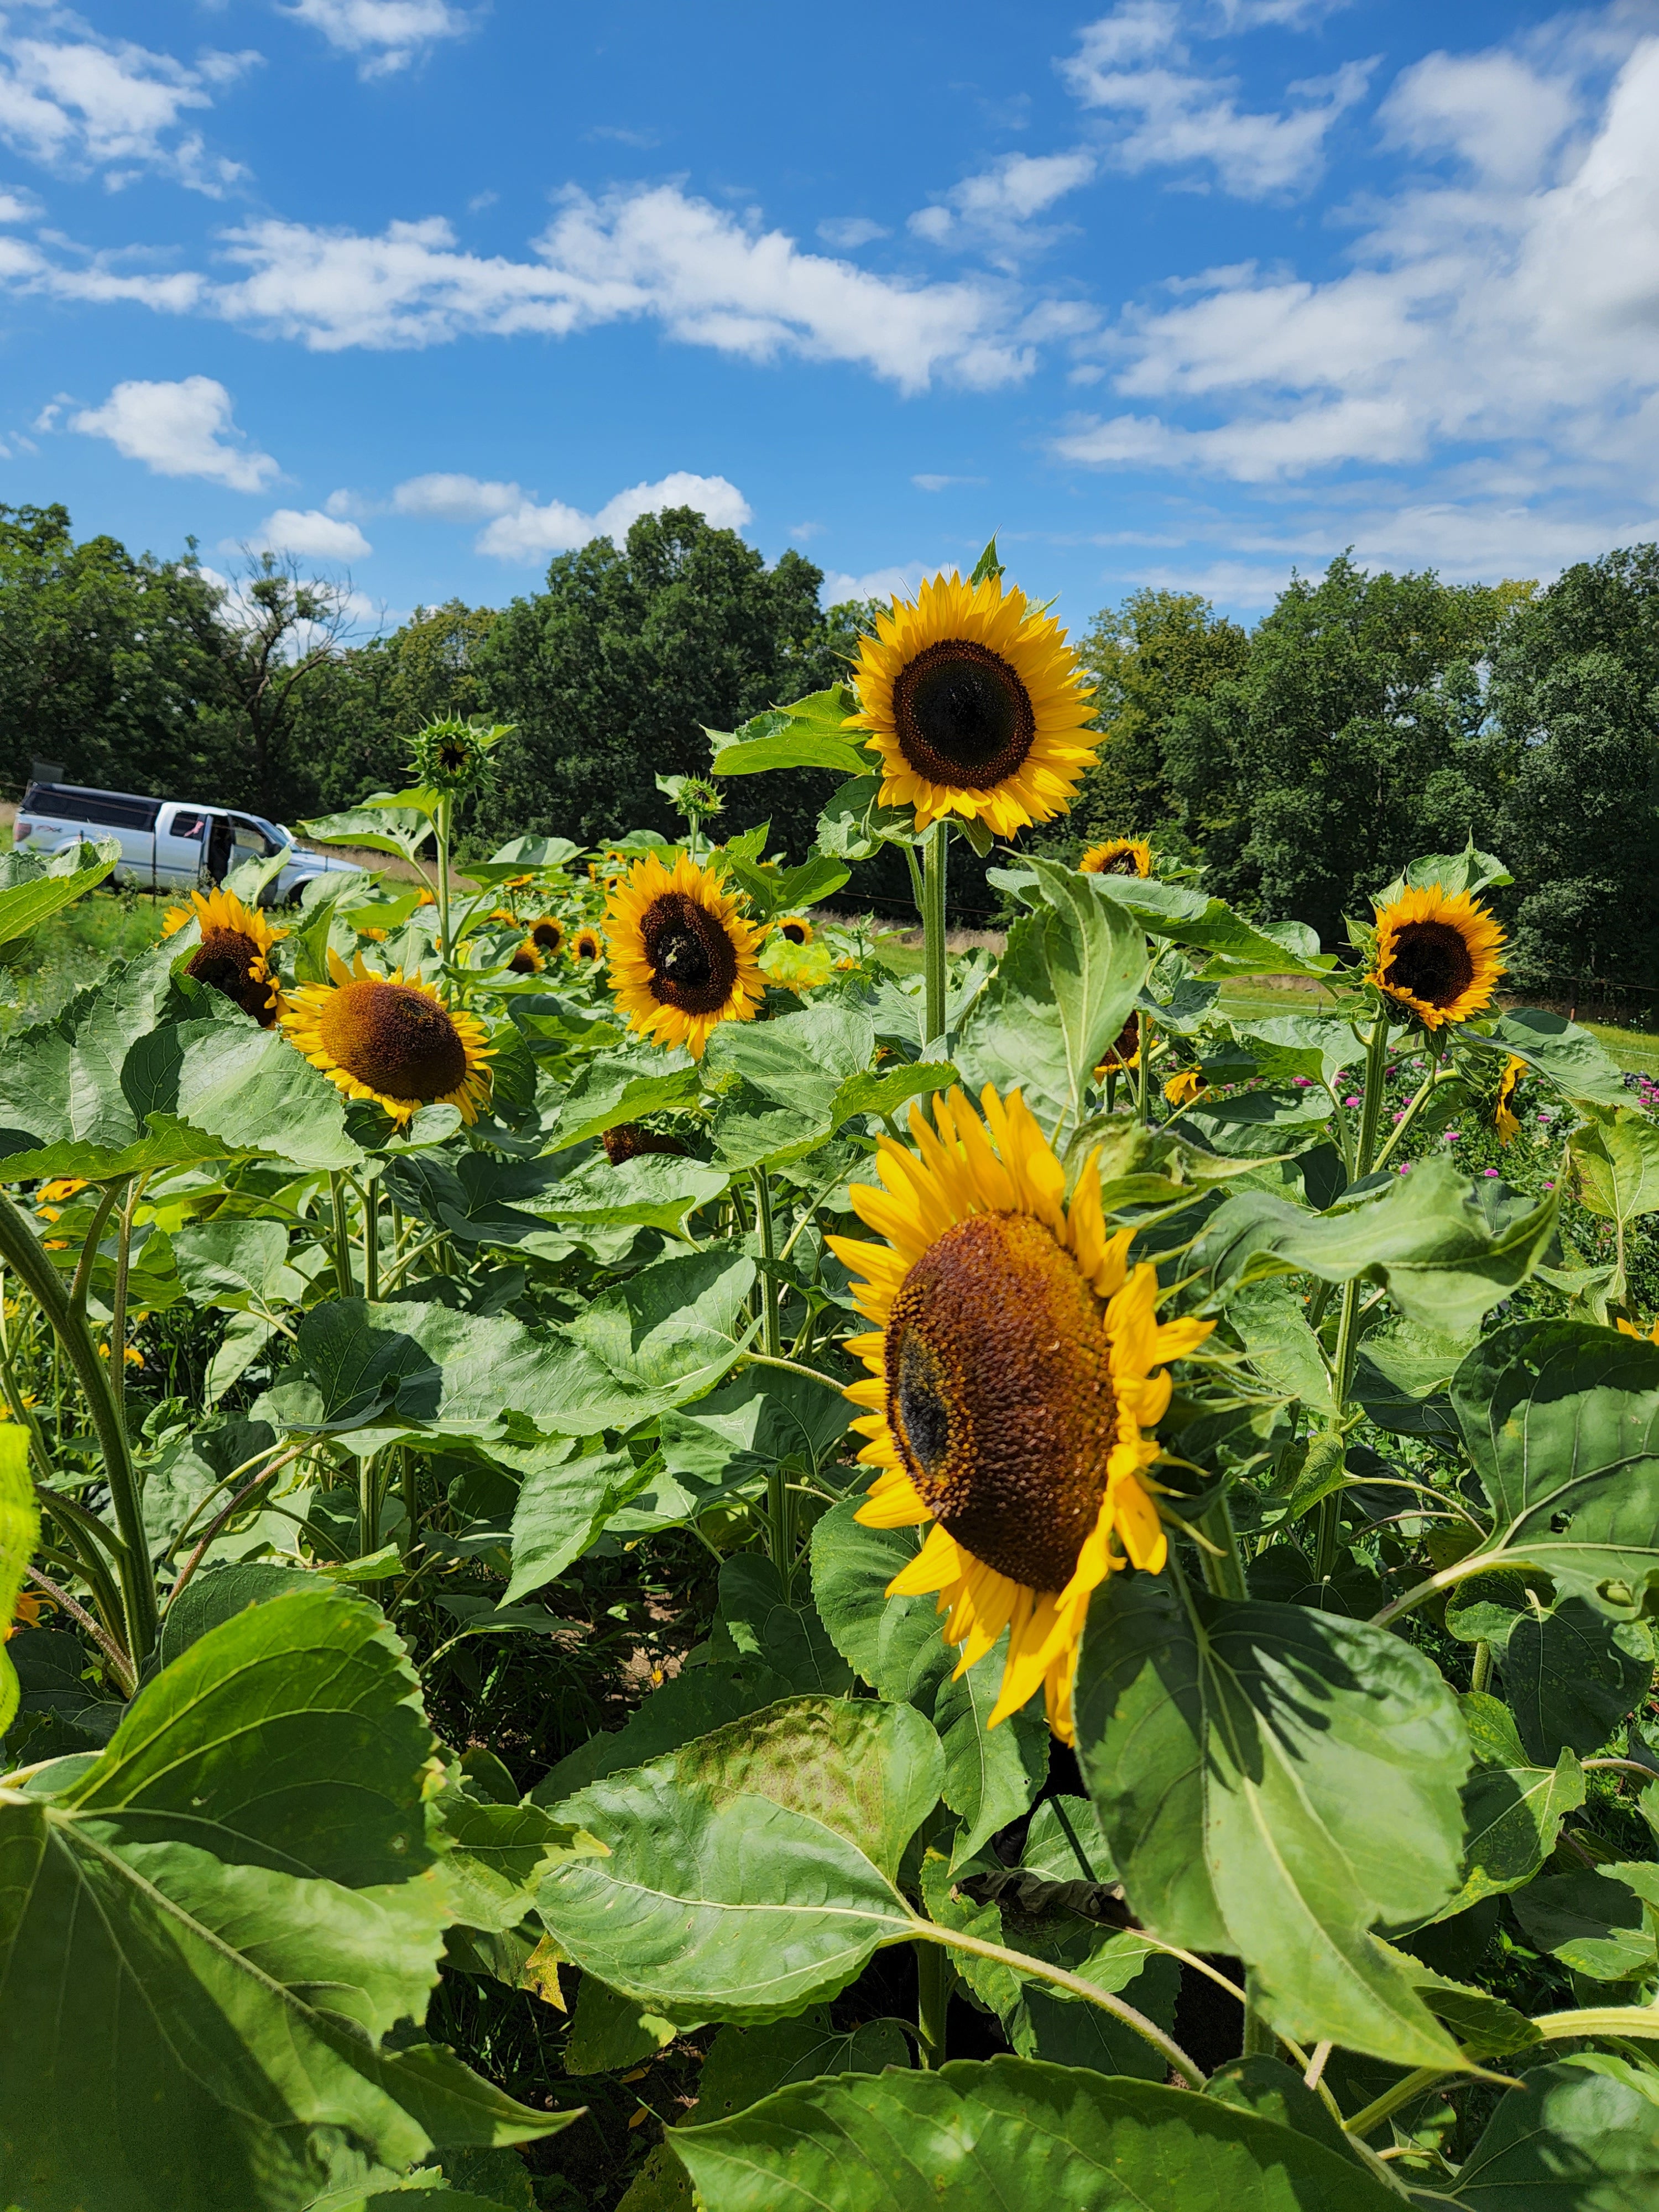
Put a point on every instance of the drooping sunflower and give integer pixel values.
(794, 929)
(1015, 1366)
(1118, 856)
(546, 933)
(391, 1039)
(587, 944)
(976, 705)
(682, 956)
(1180, 1089)
(1505, 1120)
(1124, 1051)
(233, 955)
(1436, 954)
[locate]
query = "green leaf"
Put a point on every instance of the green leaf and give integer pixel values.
(766, 1418)
(33, 889)
(854, 824)
(1012, 2132)
(377, 828)
(204, 1935)
(747, 2064)
(608, 2031)
(658, 1190)
(890, 1092)
(1284, 1045)
(1426, 1237)
(1571, 1674)
(1185, 916)
(236, 1264)
(497, 1856)
(1283, 1350)
(1064, 988)
(750, 1873)
(610, 1090)
(661, 1339)
(243, 1085)
(1615, 1155)
(1512, 1810)
(690, 1704)
(991, 1775)
(1571, 1059)
(1590, 1921)
(757, 1619)
(1274, 1782)
(20, 1532)
(798, 745)
(800, 1061)
(1579, 2135)
(562, 1504)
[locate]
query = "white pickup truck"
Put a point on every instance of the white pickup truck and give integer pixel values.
(167, 844)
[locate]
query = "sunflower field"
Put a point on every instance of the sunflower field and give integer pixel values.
(652, 1561)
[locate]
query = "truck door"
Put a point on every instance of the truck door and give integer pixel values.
(217, 849)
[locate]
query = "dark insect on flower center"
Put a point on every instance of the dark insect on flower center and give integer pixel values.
(393, 1038)
(999, 1394)
(962, 715)
(224, 961)
(693, 963)
(1432, 961)
(1120, 864)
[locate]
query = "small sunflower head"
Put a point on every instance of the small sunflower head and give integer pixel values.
(587, 944)
(975, 704)
(1118, 856)
(1182, 1089)
(1436, 955)
(682, 956)
(794, 929)
(546, 933)
(526, 959)
(452, 755)
(390, 1039)
(233, 955)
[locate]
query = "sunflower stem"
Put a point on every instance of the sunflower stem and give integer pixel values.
(441, 825)
(117, 1326)
(1260, 2041)
(934, 1975)
(936, 866)
(1223, 1570)
(372, 1239)
(1481, 1672)
(346, 1288)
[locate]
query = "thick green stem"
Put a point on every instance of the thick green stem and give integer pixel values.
(21, 1251)
(780, 1511)
(934, 1975)
(1481, 1672)
(936, 866)
(372, 1237)
(83, 1266)
(1370, 1112)
(117, 1327)
(337, 1195)
(369, 1505)
(1224, 1570)
(1260, 2041)
(441, 828)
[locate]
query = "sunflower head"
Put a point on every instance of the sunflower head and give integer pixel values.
(1505, 1120)
(794, 929)
(526, 959)
(1124, 1051)
(232, 956)
(1180, 1089)
(976, 705)
(682, 956)
(1118, 856)
(587, 944)
(629, 1139)
(1013, 1362)
(390, 1039)
(1645, 1335)
(452, 755)
(546, 933)
(1436, 955)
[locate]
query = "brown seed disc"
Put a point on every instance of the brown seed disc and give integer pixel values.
(223, 960)
(693, 963)
(394, 1039)
(1432, 961)
(962, 716)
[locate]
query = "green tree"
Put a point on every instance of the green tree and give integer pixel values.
(614, 671)
(1575, 687)
(1355, 737)
(110, 664)
(1147, 657)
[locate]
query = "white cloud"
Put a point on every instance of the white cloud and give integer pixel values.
(995, 209)
(182, 429)
(388, 34)
(850, 232)
(528, 532)
(76, 101)
(875, 584)
(445, 498)
(1135, 64)
(943, 483)
(709, 278)
(1500, 323)
(310, 533)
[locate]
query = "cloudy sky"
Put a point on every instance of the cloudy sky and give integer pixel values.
(1188, 292)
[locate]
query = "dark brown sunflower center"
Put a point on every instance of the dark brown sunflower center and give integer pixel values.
(524, 961)
(1120, 864)
(395, 1039)
(546, 936)
(794, 931)
(693, 963)
(1126, 1044)
(224, 961)
(1432, 961)
(1000, 1397)
(962, 715)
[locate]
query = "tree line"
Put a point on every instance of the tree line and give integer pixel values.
(1366, 717)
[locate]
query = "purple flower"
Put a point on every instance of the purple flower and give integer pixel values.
(1453, 1136)
(1489, 1172)
(1303, 1082)
(1350, 1101)
(1405, 1167)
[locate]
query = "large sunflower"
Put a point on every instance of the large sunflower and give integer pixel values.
(1118, 856)
(1011, 1378)
(391, 1039)
(976, 705)
(1436, 954)
(234, 954)
(682, 956)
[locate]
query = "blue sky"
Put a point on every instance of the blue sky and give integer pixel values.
(1187, 292)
